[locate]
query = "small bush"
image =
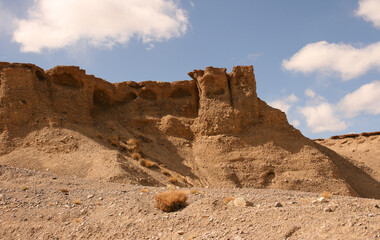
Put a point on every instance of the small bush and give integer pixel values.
(133, 144)
(136, 156)
(147, 163)
(326, 194)
(172, 180)
(64, 190)
(165, 172)
(114, 140)
(170, 201)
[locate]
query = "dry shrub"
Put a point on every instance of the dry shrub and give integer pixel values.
(114, 140)
(194, 191)
(132, 144)
(228, 199)
(172, 180)
(144, 190)
(326, 194)
(136, 156)
(64, 190)
(165, 172)
(170, 201)
(147, 163)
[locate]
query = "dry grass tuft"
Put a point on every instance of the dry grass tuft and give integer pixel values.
(326, 194)
(170, 201)
(144, 190)
(136, 156)
(228, 199)
(77, 202)
(147, 163)
(113, 140)
(172, 180)
(165, 172)
(24, 188)
(78, 220)
(64, 190)
(194, 191)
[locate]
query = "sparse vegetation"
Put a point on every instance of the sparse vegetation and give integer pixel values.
(172, 180)
(136, 156)
(144, 190)
(113, 140)
(170, 201)
(194, 191)
(147, 163)
(64, 190)
(326, 194)
(165, 172)
(24, 188)
(77, 202)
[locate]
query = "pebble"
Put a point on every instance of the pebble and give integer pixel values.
(91, 196)
(241, 202)
(328, 209)
(278, 204)
(180, 232)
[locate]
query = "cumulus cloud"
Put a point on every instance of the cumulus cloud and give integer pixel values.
(55, 24)
(285, 103)
(322, 118)
(369, 10)
(366, 99)
(335, 58)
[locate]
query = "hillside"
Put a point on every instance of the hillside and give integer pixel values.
(210, 131)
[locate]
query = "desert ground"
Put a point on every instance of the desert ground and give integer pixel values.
(82, 158)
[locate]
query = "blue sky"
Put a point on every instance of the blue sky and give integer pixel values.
(318, 61)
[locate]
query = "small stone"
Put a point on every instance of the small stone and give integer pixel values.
(377, 206)
(100, 198)
(181, 232)
(323, 199)
(90, 196)
(328, 209)
(278, 204)
(241, 202)
(371, 215)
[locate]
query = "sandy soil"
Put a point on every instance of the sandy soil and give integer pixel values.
(34, 205)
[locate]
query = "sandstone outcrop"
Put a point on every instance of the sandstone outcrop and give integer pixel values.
(209, 131)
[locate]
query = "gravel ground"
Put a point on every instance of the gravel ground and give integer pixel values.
(39, 205)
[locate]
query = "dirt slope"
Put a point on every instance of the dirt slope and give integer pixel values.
(210, 131)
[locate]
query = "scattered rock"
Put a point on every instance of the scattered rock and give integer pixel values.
(278, 204)
(240, 202)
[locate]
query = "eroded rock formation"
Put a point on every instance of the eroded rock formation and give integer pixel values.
(212, 130)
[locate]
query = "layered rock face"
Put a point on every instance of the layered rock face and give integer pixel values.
(212, 130)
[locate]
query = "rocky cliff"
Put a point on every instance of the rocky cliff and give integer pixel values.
(209, 131)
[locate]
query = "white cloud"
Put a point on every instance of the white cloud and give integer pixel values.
(310, 93)
(55, 24)
(369, 10)
(322, 118)
(365, 99)
(330, 59)
(281, 104)
(285, 103)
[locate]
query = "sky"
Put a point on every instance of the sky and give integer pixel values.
(318, 61)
